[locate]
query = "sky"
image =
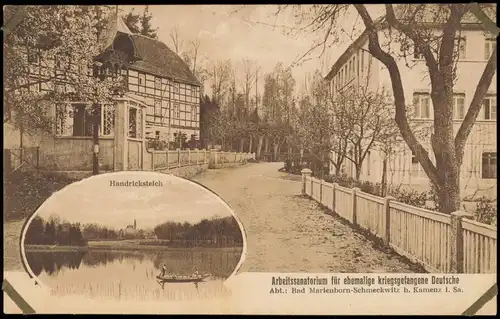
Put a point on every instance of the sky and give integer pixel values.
(237, 32)
(94, 201)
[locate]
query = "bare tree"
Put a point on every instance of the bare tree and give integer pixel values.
(439, 47)
(176, 39)
(220, 73)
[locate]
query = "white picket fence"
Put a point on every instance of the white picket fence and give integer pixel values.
(439, 242)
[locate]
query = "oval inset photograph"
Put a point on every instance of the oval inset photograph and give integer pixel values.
(134, 236)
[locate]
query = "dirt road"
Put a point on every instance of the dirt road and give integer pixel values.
(289, 233)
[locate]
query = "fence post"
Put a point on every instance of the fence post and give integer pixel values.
(168, 159)
(179, 157)
(189, 157)
(334, 187)
(353, 205)
(387, 220)
(305, 173)
(321, 191)
(457, 241)
(153, 160)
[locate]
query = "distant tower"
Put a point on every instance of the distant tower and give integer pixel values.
(135, 224)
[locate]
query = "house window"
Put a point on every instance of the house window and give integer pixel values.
(142, 79)
(33, 57)
(194, 115)
(489, 46)
(490, 108)
(176, 87)
(157, 107)
(458, 106)
(421, 105)
(461, 44)
(158, 83)
(176, 111)
(489, 165)
(107, 120)
(132, 122)
(73, 120)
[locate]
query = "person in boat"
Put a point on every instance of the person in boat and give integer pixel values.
(163, 270)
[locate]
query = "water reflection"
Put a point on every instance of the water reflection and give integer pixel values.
(132, 274)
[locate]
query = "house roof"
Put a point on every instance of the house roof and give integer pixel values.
(158, 59)
(359, 42)
(469, 22)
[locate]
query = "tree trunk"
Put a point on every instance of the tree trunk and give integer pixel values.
(275, 151)
(337, 169)
(250, 144)
(266, 145)
(384, 177)
(259, 146)
(358, 171)
(242, 145)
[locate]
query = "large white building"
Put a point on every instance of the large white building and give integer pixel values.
(479, 168)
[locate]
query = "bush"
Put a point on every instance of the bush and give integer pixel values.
(25, 191)
(486, 212)
(409, 197)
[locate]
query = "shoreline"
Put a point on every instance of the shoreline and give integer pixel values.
(124, 247)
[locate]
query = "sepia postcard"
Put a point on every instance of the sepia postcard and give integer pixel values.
(335, 159)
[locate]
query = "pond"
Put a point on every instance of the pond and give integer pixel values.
(131, 275)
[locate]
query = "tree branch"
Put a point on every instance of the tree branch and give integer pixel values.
(399, 98)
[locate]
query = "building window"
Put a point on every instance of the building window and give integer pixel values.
(489, 46)
(108, 120)
(421, 105)
(33, 57)
(357, 65)
(142, 79)
(176, 111)
(157, 107)
(490, 108)
(194, 114)
(489, 165)
(461, 44)
(362, 60)
(132, 122)
(368, 160)
(158, 83)
(176, 87)
(73, 120)
(458, 106)
(416, 168)
(189, 90)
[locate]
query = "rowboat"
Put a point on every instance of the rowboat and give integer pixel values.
(177, 278)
